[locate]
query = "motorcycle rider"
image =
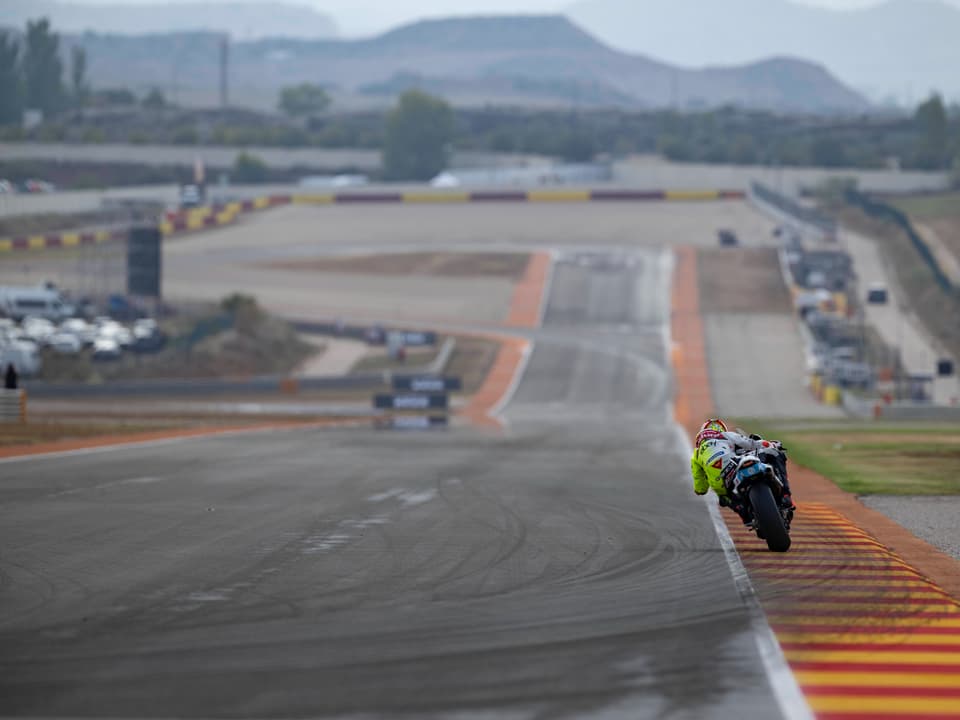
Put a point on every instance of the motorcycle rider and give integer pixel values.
(715, 454)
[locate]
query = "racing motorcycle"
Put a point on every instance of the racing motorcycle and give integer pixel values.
(758, 487)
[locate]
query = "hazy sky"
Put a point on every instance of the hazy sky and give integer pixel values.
(367, 16)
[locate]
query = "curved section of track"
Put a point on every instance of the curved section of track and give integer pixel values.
(563, 569)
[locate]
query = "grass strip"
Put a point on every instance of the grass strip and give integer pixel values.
(883, 459)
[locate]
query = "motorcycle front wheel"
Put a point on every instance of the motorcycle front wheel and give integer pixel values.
(770, 525)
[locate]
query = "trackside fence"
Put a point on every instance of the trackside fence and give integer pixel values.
(882, 211)
(793, 210)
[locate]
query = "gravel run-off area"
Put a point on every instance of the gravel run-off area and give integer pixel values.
(935, 519)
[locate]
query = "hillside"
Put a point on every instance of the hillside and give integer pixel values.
(900, 48)
(241, 19)
(538, 60)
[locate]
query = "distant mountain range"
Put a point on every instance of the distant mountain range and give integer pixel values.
(899, 48)
(245, 19)
(518, 60)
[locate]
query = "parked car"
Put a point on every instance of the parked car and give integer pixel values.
(147, 337)
(728, 238)
(106, 349)
(80, 328)
(877, 294)
(38, 328)
(65, 343)
(112, 330)
(120, 307)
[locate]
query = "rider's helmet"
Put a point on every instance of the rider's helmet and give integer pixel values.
(711, 429)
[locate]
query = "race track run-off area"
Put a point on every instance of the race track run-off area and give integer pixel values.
(556, 566)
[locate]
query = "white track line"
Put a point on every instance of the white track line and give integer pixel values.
(789, 697)
(497, 410)
(547, 287)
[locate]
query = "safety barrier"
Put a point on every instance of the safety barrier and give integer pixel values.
(61, 240)
(883, 211)
(13, 406)
(793, 210)
(202, 218)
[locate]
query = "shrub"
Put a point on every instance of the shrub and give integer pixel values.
(248, 168)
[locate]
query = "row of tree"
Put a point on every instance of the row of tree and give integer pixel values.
(32, 74)
(416, 137)
(421, 129)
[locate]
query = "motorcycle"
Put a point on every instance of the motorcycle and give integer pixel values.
(757, 486)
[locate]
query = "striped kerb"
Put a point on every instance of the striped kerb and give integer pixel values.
(205, 217)
(558, 196)
(436, 197)
(866, 635)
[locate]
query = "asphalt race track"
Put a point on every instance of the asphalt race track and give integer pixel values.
(562, 569)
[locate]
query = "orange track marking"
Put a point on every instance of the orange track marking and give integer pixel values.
(525, 311)
(528, 293)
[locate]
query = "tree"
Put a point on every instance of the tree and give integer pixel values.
(249, 168)
(80, 87)
(577, 145)
(154, 100)
(931, 122)
(418, 135)
(828, 152)
(304, 100)
(114, 97)
(42, 68)
(11, 88)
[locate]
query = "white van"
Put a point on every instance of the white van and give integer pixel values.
(21, 302)
(23, 356)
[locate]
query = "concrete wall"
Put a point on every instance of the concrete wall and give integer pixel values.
(653, 171)
(224, 157)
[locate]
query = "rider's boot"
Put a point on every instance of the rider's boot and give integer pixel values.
(786, 501)
(738, 507)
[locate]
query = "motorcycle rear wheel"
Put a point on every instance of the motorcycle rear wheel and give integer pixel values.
(769, 521)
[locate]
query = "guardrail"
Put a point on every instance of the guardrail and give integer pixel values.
(794, 211)
(13, 406)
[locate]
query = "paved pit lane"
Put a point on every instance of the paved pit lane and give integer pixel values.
(563, 569)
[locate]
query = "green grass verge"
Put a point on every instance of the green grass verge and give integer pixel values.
(930, 207)
(873, 458)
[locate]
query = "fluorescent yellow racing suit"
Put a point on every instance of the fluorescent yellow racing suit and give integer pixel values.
(715, 459)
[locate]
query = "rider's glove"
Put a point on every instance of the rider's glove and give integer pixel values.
(697, 492)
